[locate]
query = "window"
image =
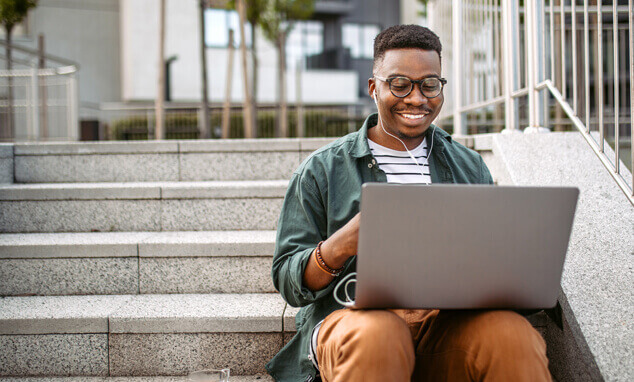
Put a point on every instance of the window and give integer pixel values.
(359, 38)
(217, 25)
(305, 39)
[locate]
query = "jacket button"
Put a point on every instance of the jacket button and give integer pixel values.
(369, 165)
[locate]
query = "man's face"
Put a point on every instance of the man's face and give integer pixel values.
(408, 118)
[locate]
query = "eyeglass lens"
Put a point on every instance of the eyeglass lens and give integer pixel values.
(402, 86)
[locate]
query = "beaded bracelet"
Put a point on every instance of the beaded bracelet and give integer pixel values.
(322, 264)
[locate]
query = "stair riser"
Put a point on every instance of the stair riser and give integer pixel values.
(139, 215)
(132, 275)
(155, 167)
(136, 354)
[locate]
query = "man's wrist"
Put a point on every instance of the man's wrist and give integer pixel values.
(333, 255)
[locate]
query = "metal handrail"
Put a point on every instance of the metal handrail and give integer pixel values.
(48, 57)
(486, 55)
(612, 169)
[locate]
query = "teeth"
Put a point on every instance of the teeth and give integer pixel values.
(413, 116)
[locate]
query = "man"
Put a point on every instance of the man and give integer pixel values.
(317, 242)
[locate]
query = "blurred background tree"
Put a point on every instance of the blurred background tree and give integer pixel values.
(276, 22)
(12, 13)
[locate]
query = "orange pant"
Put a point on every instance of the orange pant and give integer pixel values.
(430, 345)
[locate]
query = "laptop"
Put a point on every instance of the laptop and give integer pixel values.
(462, 246)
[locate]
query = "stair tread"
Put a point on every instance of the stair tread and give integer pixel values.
(132, 244)
(143, 190)
(182, 313)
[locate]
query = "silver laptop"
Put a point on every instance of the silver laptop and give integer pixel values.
(462, 247)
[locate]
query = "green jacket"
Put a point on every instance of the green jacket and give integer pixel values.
(323, 195)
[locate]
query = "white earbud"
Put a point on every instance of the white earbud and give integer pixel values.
(374, 97)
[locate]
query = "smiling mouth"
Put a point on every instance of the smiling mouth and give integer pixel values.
(414, 117)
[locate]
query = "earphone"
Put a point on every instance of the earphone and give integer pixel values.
(420, 167)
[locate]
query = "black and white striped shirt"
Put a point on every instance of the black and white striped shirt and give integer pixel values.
(399, 166)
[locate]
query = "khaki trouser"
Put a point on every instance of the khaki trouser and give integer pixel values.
(430, 345)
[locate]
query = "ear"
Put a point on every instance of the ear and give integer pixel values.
(371, 86)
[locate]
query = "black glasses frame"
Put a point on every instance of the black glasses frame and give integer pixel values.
(443, 82)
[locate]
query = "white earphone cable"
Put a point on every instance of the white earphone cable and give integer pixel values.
(420, 167)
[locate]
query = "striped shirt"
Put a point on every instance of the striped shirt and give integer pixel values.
(399, 166)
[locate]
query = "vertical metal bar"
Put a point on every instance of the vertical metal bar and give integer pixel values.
(563, 49)
(27, 115)
(495, 67)
(490, 52)
(507, 52)
(631, 18)
(540, 47)
(35, 102)
(575, 85)
(530, 36)
(553, 73)
(517, 10)
(586, 51)
(600, 70)
(542, 37)
(615, 40)
(456, 32)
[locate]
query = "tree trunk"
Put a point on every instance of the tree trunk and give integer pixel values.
(10, 122)
(159, 132)
(205, 131)
(43, 88)
(254, 80)
(249, 131)
(281, 75)
(226, 108)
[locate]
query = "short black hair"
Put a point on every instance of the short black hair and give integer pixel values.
(405, 36)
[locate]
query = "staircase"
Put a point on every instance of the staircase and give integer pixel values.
(142, 259)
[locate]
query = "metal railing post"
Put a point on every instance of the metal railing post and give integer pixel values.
(631, 23)
(586, 60)
(459, 127)
(615, 43)
(575, 85)
(73, 109)
(34, 102)
(532, 54)
(600, 71)
(508, 54)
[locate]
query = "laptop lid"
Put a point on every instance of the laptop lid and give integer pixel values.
(462, 246)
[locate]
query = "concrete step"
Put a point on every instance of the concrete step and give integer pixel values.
(136, 262)
(145, 335)
(198, 160)
(239, 378)
(151, 206)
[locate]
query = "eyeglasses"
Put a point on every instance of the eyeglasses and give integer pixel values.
(401, 86)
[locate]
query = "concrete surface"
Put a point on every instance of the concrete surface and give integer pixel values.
(195, 160)
(69, 276)
(47, 355)
(205, 275)
(6, 163)
(199, 313)
(136, 167)
(58, 314)
(180, 353)
(598, 298)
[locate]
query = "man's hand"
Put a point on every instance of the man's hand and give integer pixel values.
(342, 245)
(338, 248)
